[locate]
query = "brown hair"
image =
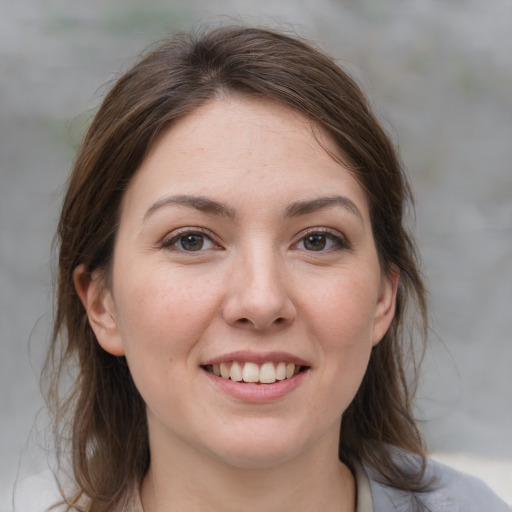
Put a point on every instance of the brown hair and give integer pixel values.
(103, 411)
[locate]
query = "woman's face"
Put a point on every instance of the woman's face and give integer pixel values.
(244, 253)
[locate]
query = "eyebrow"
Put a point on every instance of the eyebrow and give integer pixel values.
(295, 209)
(307, 207)
(200, 203)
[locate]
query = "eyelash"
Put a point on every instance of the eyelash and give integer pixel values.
(170, 243)
(338, 241)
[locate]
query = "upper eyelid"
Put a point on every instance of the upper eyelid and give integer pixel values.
(343, 239)
(321, 230)
(176, 233)
(186, 229)
(172, 236)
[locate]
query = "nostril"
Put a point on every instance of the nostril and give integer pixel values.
(247, 321)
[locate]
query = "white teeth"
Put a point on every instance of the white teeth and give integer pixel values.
(236, 372)
(266, 373)
(251, 372)
(224, 371)
(281, 371)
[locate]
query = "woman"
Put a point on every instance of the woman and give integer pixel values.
(237, 293)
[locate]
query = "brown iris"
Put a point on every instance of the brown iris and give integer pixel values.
(315, 242)
(192, 242)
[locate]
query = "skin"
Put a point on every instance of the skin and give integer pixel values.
(257, 285)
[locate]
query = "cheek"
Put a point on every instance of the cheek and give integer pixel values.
(163, 313)
(343, 310)
(161, 321)
(341, 320)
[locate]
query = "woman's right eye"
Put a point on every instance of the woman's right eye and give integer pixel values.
(191, 241)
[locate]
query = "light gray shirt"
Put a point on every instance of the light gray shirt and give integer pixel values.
(451, 491)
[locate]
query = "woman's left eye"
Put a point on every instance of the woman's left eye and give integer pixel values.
(191, 241)
(320, 241)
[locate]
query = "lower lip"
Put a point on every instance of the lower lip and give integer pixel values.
(249, 392)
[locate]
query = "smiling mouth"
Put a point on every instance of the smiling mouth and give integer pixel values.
(253, 373)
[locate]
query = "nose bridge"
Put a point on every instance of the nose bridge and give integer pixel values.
(259, 296)
(262, 269)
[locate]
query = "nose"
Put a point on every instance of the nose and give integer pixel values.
(259, 294)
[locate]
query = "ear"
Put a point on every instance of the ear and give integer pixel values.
(386, 304)
(99, 305)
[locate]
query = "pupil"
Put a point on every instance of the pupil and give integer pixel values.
(192, 242)
(315, 242)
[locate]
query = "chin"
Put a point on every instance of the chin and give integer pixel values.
(259, 451)
(256, 458)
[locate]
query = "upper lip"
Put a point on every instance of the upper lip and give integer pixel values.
(257, 357)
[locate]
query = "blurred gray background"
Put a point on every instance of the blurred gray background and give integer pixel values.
(439, 73)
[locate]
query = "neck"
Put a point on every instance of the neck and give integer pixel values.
(314, 480)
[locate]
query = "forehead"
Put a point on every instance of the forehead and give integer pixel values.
(243, 149)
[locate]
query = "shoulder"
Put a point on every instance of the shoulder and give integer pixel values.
(451, 491)
(38, 493)
(44, 492)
